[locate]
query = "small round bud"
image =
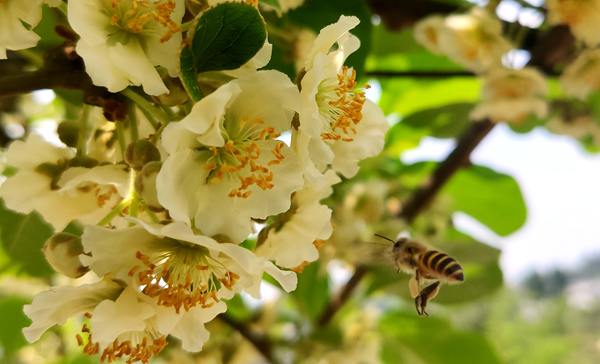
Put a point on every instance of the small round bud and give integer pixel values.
(141, 152)
(62, 252)
(68, 132)
(145, 185)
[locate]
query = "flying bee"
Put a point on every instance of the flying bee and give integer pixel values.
(429, 268)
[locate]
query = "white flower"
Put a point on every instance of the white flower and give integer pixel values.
(225, 165)
(512, 95)
(17, 19)
(121, 323)
(582, 76)
(427, 32)
(180, 269)
(473, 40)
(338, 126)
(123, 40)
(308, 220)
(44, 182)
(577, 126)
(582, 16)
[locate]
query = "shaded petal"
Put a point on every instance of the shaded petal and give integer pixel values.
(55, 306)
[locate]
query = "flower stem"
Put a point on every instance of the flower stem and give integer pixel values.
(146, 105)
(121, 139)
(83, 130)
(133, 125)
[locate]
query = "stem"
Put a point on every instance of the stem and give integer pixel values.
(114, 212)
(133, 125)
(146, 105)
(121, 139)
(419, 200)
(83, 130)
(151, 120)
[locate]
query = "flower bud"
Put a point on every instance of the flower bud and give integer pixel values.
(68, 132)
(62, 252)
(141, 152)
(145, 185)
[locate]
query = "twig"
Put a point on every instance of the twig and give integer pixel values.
(262, 344)
(419, 200)
(42, 79)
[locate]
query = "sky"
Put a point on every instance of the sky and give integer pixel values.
(561, 186)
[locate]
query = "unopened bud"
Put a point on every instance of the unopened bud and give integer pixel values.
(140, 153)
(145, 185)
(68, 132)
(62, 251)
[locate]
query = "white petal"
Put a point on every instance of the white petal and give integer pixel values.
(190, 330)
(55, 306)
(329, 35)
(113, 318)
(35, 150)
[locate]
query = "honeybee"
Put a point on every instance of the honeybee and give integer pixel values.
(429, 268)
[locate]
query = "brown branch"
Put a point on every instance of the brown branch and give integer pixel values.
(43, 79)
(261, 343)
(419, 200)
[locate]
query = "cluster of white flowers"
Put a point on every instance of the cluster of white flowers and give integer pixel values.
(475, 41)
(164, 218)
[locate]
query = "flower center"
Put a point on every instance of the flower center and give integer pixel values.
(132, 346)
(103, 193)
(183, 277)
(137, 16)
(241, 158)
(341, 103)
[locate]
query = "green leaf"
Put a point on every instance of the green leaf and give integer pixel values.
(22, 239)
(446, 121)
(431, 340)
(493, 198)
(407, 95)
(13, 320)
(227, 36)
(316, 14)
(312, 294)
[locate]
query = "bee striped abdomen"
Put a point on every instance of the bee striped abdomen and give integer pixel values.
(441, 265)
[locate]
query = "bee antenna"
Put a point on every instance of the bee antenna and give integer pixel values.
(385, 237)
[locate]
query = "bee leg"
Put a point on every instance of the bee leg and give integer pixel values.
(427, 294)
(414, 287)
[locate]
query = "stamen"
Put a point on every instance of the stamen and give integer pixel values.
(341, 103)
(134, 347)
(240, 156)
(186, 277)
(141, 12)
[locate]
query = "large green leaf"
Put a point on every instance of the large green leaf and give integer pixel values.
(312, 293)
(227, 36)
(22, 239)
(493, 198)
(405, 96)
(316, 14)
(431, 340)
(446, 121)
(13, 320)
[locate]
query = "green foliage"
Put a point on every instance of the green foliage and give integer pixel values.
(431, 340)
(227, 36)
(329, 12)
(22, 239)
(404, 96)
(13, 320)
(447, 121)
(493, 198)
(312, 294)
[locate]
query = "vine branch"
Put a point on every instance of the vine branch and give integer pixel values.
(418, 202)
(261, 343)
